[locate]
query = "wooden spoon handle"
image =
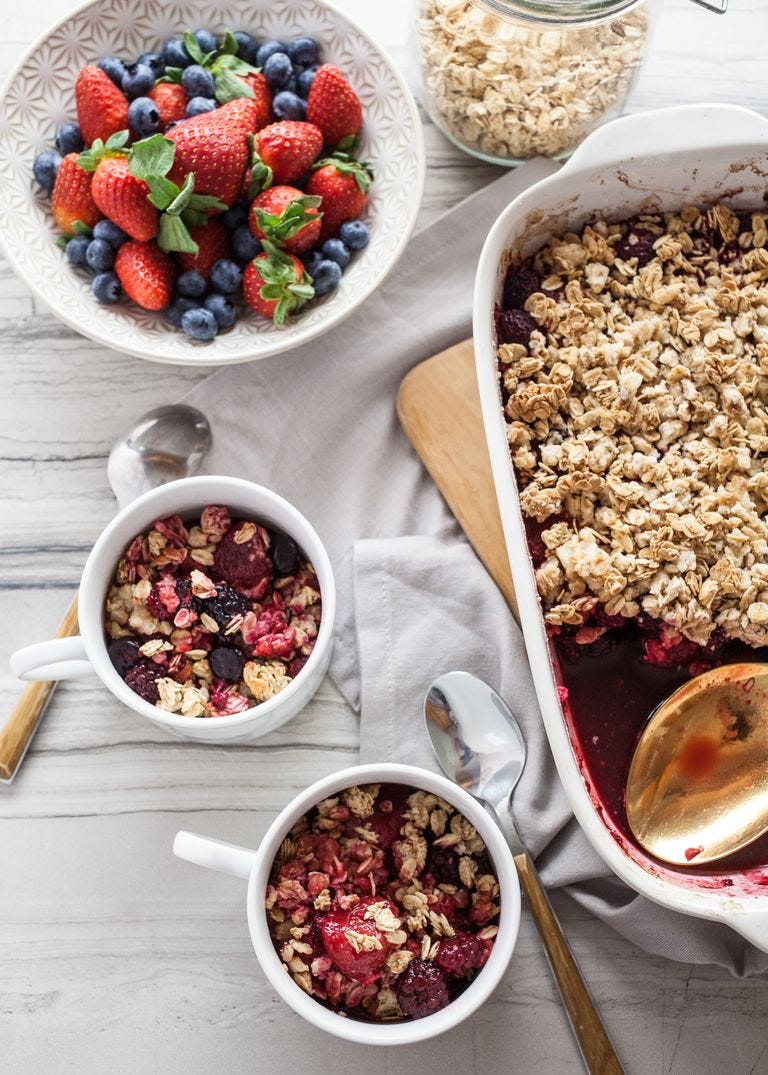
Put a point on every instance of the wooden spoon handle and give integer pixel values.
(596, 1049)
(25, 716)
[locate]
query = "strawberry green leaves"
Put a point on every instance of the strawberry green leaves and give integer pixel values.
(344, 162)
(278, 271)
(293, 218)
(224, 65)
(180, 208)
(113, 147)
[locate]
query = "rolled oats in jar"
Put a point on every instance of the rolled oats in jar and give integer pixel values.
(512, 79)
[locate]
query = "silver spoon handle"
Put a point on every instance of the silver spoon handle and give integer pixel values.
(591, 1036)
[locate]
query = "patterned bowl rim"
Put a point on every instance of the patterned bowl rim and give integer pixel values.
(302, 335)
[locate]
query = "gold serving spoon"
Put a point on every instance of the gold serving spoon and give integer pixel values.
(698, 782)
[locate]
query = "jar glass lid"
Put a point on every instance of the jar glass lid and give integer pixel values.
(558, 12)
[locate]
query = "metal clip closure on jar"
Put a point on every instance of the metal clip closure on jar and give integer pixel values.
(512, 79)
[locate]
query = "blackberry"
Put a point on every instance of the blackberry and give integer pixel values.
(444, 866)
(515, 326)
(142, 678)
(123, 653)
(460, 954)
(637, 244)
(227, 663)
(421, 989)
(226, 604)
(519, 285)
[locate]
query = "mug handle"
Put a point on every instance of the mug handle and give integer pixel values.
(59, 658)
(214, 854)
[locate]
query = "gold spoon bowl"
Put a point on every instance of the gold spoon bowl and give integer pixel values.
(697, 788)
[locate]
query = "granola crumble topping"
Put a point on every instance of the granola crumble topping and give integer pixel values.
(637, 420)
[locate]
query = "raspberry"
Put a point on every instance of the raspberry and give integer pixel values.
(637, 244)
(224, 700)
(367, 964)
(124, 653)
(515, 326)
(444, 866)
(387, 823)
(296, 666)
(519, 285)
(155, 606)
(142, 678)
(281, 644)
(245, 566)
(670, 649)
(421, 989)
(227, 604)
(460, 954)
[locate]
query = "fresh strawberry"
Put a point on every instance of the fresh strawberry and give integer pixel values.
(123, 198)
(171, 101)
(213, 241)
(72, 201)
(288, 217)
(102, 109)
(275, 284)
(334, 106)
(146, 273)
(343, 184)
(214, 147)
(289, 148)
(262, 97)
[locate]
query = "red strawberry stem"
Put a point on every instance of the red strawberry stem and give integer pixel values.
(344, 162)
(280, 227)
(278, 272)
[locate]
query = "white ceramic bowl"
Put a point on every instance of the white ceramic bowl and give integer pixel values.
(255, 867)
(648, 162)
(39, 96)
(69, 658)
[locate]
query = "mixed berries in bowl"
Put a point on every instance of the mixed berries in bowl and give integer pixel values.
(197, 175)
(383, 902)
(210, 196)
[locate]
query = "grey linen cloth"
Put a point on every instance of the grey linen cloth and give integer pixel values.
(318, 425)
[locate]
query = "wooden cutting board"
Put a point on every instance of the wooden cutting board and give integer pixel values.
(439, 408)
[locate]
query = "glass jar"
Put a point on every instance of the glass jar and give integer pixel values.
(508, 80)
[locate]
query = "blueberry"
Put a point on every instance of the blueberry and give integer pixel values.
(267, 49)
(106, 287)
(178, 308)
(305, 80)
(45, 166)
(69, 139)
(143, 116)
(304, 51)
(226, 276)
(174, 53)
(198, 105)
(235, 216)
(292, 84)
(336, 250)
(114, 68)
(100, 255)
(222, 309)
(105, 229)
(124, 653)
(76, 248)
(285, 554)
(138, 80)
(312, 260)
(207, 41)
(277, 70)
(153, 60)
(245, 246)
(288, 105)
(247, 46)
(199, 324)
(191, 285)
(227, 663)
(198, 81)
(355, 234)
(326, 276)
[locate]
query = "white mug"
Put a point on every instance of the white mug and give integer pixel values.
(255, 867)
(68, 658)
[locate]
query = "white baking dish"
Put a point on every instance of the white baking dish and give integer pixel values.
(652, 161)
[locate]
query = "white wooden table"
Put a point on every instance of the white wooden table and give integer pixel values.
(116, 957)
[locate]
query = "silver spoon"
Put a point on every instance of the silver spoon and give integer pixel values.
(167, 443)
(479, 744)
